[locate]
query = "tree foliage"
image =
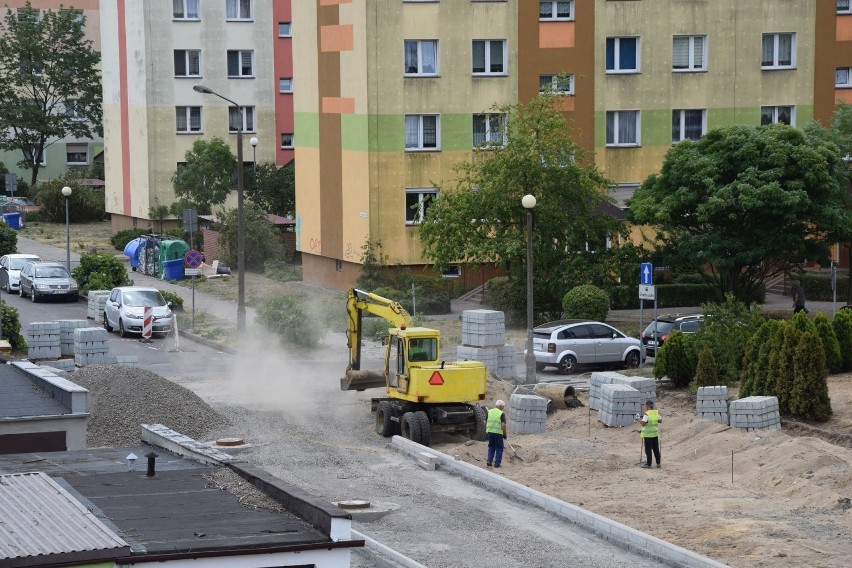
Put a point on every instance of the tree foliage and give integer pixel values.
(86, 203)
(842, 324)
(830, 345)
(727, 328)
(676, 359)
(745, 203)
(271, 188)
(808, 398)
(755, 372)
(586, 302)
(707, 369)
(8, 240)
(478, 217)
(204, 181)
(50, 82)
(262, 241)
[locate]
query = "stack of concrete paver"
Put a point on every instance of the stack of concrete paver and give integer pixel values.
(43, 340)
(527, 414)
(755, 413)
(126, 360)
(619, 405)
(66, 334)
(599, 378)
(90, 346)
(483, 339)
(647, 387)
(66, 365)
(97, 299)
(711, 403)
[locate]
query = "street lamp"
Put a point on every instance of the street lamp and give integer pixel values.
(253, 141)
(528, 201)
(241, 276)
(66, 191)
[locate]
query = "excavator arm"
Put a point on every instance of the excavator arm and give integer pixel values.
(360, 302)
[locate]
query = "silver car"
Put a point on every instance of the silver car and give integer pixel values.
(125, 309)
(568, 344)
(41, 279)
(10, 270)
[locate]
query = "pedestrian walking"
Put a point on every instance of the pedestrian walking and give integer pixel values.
(651, 433)
(798, 297)
(495, 427)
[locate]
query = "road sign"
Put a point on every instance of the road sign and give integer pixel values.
(192, 259)
(647, 292)
(192, 272)
(646, 274)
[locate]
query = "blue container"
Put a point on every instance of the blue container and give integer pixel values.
(173, 269)
(13, 220)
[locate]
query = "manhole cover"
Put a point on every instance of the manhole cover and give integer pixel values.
(354, 504)
(230, 442)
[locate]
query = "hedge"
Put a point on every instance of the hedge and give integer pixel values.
(818, 286)
(668, 296)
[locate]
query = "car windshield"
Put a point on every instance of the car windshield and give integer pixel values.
(51, 272)
(663, 327)
(18, 263)
(141, 298)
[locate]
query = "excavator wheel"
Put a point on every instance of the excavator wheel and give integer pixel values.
(384, 425)
(411, 427)
(481, 417)
(425, 427)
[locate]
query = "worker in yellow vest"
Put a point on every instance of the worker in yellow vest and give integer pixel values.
(651, 433)
(495, 427)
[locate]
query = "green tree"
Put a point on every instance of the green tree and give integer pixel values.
(745, 203)
(727, 328)
(833, 357)
(8, 240)
(205, 179)
(478, 217)
(756, 360)
(86, 203)
(676, 359)
(809, 390)
(273, 189)
(50, 82)
(262, 242)
(842, 324)
(707, 370)
(157, 214)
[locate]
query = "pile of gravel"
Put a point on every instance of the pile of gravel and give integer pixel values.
(122, 397)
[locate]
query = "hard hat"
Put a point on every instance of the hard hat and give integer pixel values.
(499, 404)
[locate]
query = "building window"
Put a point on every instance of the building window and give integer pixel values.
(240, 63)
(843, 7)
(622, 55)
(453, 271)
(421, 57)
(72, 111)
(688, 124)
(285, 85)
(287, 140)
(185, 9)
(549, 11)
(187, 63)
(842, 77)
(778, 114)
(422, 132)
(75, 15)
(556, 84)
(77, 154)
(622, 128)
(779, 51)
(416, 203)
(34, 157)
(489, 57)
(688, 53)
(246, 117)
(338, 265)
(238, 9)
(30, 15)
(489, 130)
(188, 119)
(285, 29)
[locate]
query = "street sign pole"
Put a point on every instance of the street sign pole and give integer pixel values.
(192, 261)
(646, 281)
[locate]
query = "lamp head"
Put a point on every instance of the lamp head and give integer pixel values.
(528, 201)
(202, 89)
(253, 141)
(66, 191)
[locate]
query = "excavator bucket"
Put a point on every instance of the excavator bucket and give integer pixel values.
(362, 380)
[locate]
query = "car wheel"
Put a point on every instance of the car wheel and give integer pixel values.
(568, 365)
(121, 331)
(107, 326)
(21, 291)
(8, 287)
(33, 296)
(632, 360)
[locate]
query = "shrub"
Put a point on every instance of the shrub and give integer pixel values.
(8, 239)
(85, 204)
(281, 271)
(707, 370)
(375, 328)
(728, 327)
(12, 328)
(100, 272)
(781, 364)
(818, 286)
(842, 324)
(668, 296)
(433, 295)
(176, 301)
(586, 302)
(676, 359)
(288, 318)
(503, 295)
(809, 390)
(756, 359)
(833, 357)
(121, 238)
(261, 238)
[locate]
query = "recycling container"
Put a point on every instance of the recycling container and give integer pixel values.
(13, 220)
(173, 269)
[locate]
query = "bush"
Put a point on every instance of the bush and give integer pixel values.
(668, 296)
(586, 302)
(100, 272)
(842, 324)
(707, 370)
(727, 329)
(830, 345)
(756, 359)
(261, 240)
(375, 328)
(781, 365)
(176, 301)
(85, 204)
(433, 296)
(280, 271)
(8, 240)
(809, 390)
(12, 328)
(287, 317)
(676, 359)
(818, 286)
(121, 238)
(501, 294)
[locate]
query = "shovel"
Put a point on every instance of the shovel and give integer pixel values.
(514, 453)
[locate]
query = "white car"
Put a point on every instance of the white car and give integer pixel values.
(569, 344)
(10, 270)
(125, 308)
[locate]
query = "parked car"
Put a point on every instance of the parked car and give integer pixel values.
(41, 279)
(124, 311)
(665, 326)
(10, 270)
(568, 344)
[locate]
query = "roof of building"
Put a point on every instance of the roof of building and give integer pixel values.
(20, 396)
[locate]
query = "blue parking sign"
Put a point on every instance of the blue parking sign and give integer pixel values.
(646, 274)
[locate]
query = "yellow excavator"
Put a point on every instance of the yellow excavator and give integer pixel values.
(424, 393)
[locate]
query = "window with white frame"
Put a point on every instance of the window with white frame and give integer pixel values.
(778, 115)
(241, 63)
(688, 53)
(421, 57)
(688, 124)
(29, 14)
(187, 63)
(556, 84)
(422, 132)
(550, 11)
(844, 7)
(622, 55)
(779, 51)
(489, 129)
(188, 119)
(416, 203)
(244, 119)
(238, 9)
(285, 29)
(843, 77)
(622, 128)
(75, 14)
(185, 10)
(72, 110)
(285, 85)
(77, 154)
(32, 155)
(286, 140)
(489, 57)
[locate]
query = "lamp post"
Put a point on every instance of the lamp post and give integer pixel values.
(241, 277)
(66, 191)
(528, 201)
(253, 141)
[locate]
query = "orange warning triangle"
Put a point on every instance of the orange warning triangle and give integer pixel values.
(436, 379)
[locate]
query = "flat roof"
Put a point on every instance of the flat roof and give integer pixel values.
(20, 396)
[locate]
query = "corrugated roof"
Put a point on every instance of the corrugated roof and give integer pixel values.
(40, 519)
